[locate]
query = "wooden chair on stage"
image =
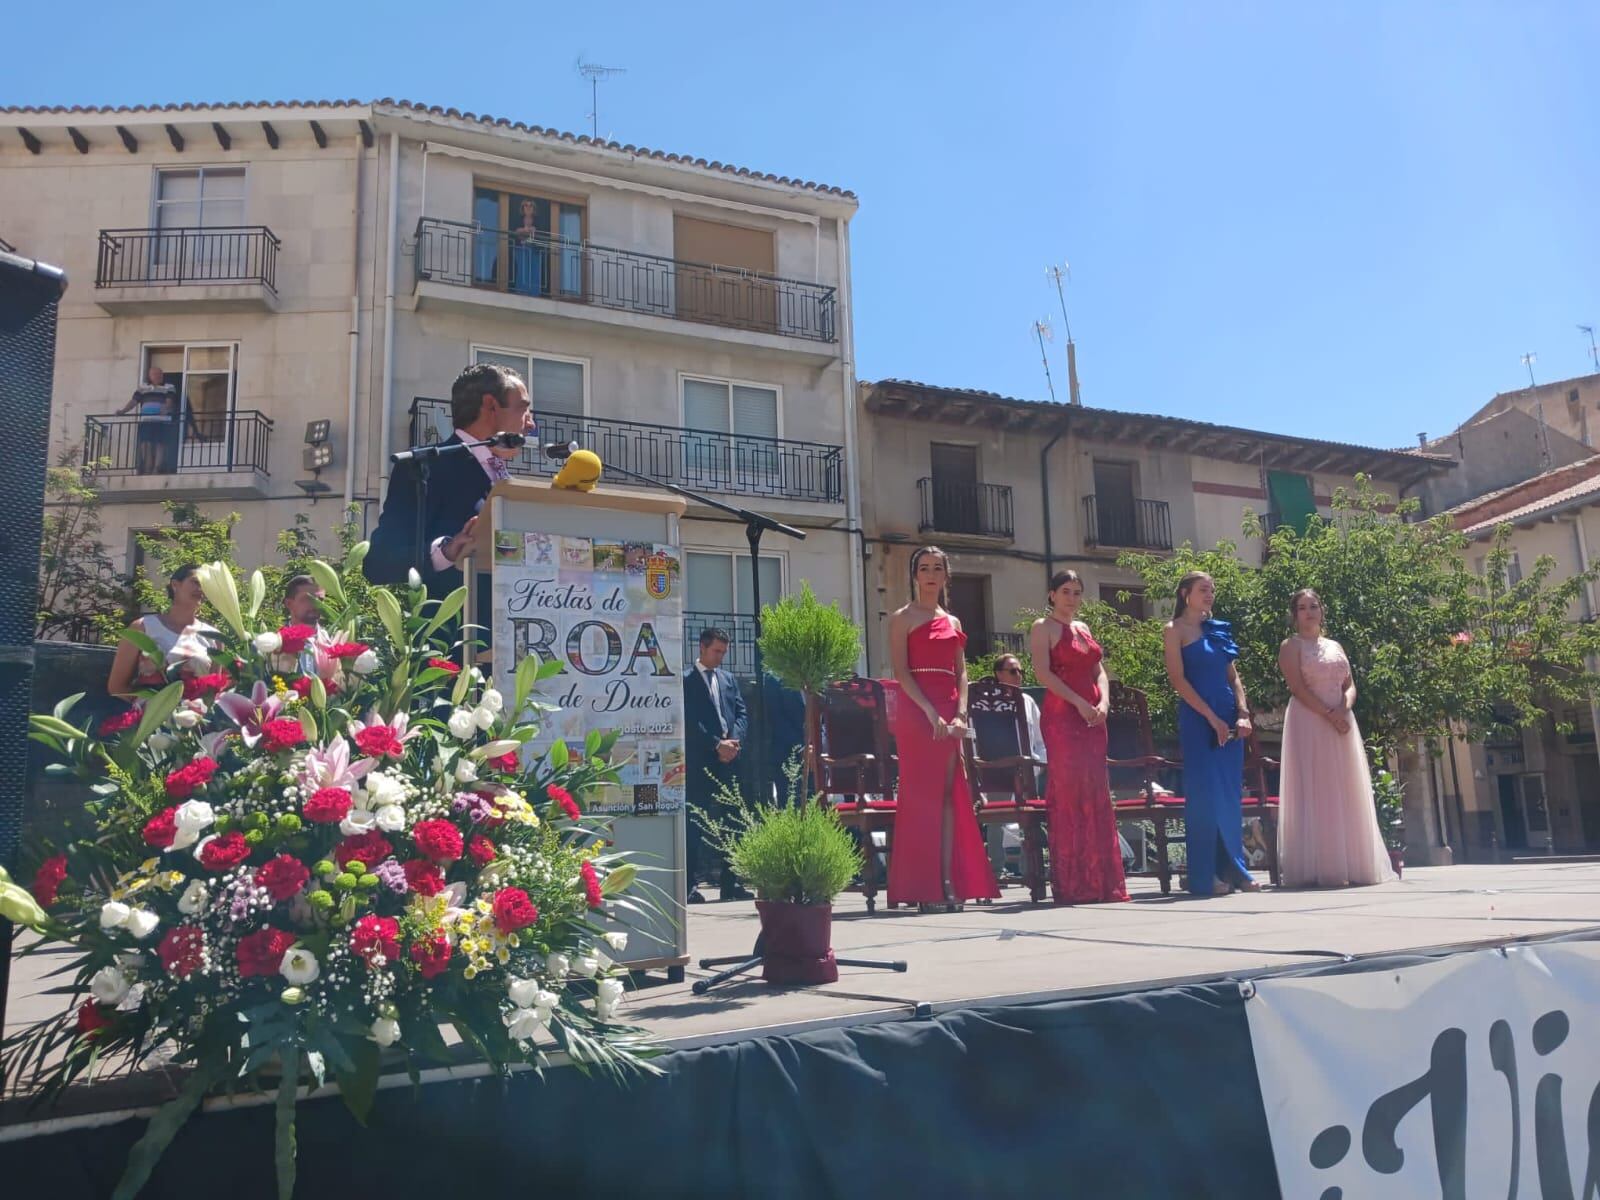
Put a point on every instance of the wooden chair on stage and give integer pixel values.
(1260, 800)
(857, 773)
(1000, 761)
(1133, 765)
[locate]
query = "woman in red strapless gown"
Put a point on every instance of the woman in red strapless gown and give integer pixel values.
(1085, 855)
(937, 857)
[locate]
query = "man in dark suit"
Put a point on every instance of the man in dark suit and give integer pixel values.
(786, 730)
(715, 724)
(486, 399)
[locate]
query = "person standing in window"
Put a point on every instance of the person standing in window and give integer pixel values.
(156, 402)
(526, 275)
(715, 722)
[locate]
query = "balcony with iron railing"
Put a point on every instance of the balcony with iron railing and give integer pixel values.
(1118, 525)
(965, 509)
(587, 275)
(210, 268)
(219, 454)
(741, 631)
(702, 459)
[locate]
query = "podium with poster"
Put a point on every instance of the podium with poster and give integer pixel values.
(594, 580)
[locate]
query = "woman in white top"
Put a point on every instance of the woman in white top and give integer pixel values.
(175, 632)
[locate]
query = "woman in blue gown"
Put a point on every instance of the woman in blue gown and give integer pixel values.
(1213, 720)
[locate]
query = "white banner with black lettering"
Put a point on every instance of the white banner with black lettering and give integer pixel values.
(1477, 1076)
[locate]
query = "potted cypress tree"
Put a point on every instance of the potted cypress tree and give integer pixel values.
(808, 645)
(796, 858)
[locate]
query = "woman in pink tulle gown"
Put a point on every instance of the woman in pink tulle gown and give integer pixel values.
(1327, 827)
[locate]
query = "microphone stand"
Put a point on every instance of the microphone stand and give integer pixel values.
(423, 457)
(755, 524)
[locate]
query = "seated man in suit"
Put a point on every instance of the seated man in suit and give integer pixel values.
(715, 722)
(485, 399)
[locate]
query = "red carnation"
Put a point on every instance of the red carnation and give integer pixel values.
(424, 878)
(373, 936)
(327, 806)
(432, 956)
(507, 762)
(563, 799)
(224, 851)
(379, 741)
(302, 687)
(185, 781)
(591, 885)
(48, 879)
(202, 686)
(285, 733)
(295, 637)
(161, 829)
(369, 849)
(261, 953)
(480, 850)
(439, 840)
(117, 722)
(513, 910)
(346, 650)
(182, 950)
(283, 876)
(445, 665)
(91, 1020)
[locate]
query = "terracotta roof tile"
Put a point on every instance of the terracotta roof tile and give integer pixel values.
(1521, 501)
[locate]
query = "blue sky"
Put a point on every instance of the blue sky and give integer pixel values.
(1346, 221)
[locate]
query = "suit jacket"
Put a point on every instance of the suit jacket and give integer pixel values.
(786, 723)
(457, 485)
(702, 731)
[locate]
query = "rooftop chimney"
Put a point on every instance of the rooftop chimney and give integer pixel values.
(1422, 441)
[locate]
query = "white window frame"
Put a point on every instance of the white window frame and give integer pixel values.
(155, 187)
(723, 552)
(585, 363)
(731, 383)
(232, 346)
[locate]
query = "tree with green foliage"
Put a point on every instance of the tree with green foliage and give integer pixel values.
(808, 645)
(77, 581)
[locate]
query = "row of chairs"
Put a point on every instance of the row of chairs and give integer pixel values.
(858, 773)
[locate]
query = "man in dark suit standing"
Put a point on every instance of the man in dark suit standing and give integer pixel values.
(485, 399)
(715, 724)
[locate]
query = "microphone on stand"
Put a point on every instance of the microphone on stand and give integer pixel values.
(560, 450)
(510, 441)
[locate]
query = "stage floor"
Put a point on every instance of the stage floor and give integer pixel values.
(1011, 953)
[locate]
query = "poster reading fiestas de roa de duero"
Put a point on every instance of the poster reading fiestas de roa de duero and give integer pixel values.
(611, 613)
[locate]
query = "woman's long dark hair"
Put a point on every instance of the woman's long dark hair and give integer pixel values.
(1060, 579)
(917, 557)
(1185, 586)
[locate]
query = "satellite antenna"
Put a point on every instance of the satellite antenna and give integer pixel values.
(594, 73)
(1594, 351)
(1041, 330)
(1058, 273)
(1528, 360)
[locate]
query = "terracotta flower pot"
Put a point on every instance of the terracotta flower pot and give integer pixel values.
(797, 942)
(1397, 860)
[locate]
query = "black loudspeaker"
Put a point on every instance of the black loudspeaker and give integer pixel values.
(30, 294)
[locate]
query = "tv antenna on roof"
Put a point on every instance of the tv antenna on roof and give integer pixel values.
(1594, 350)
(1042, 331)
(594, 73)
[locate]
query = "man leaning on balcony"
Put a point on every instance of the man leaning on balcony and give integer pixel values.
(485, 399)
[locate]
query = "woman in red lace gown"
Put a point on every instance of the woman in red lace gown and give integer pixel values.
(937, 857)
(1085, 855)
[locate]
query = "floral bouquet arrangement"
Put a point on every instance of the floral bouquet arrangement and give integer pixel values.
(314, 847)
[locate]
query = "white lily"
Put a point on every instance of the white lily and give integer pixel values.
(142, 923)
(608, 995)
(299, 966)
(114, 914)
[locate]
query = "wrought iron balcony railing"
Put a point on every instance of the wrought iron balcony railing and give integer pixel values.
(981, 509)
(170, 257)
(197, 442)
(1143, 525)
(730, 463)
(585, 273)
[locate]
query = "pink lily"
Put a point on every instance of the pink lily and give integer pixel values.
(251, 712)
(331, 767)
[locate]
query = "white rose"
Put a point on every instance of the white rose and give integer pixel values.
(586, 965)
(194, 899)
(558, 966)
(366, 663)
(161, 742)
(462, 724)
(132, 1000)
(483, 718)
(546, 1003)
(108, 985)
(358, 820)
(384, 789)
(465, 771)
(606, 998)
(386, 1031)
(523, 1023)
(184, 838)
(299, 966)
(185, 718)
(492, 700)
(194, 815)
(391, 818)
(522, 991)
(142, 923)
(268, 643)
(617, 940)
(114, 914)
